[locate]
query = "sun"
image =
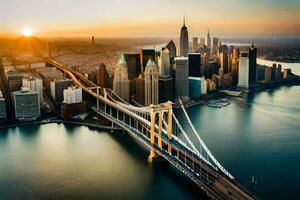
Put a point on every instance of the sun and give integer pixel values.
(27, 32)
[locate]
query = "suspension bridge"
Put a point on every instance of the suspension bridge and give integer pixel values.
(158, 128)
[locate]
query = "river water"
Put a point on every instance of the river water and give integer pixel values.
(257, 135)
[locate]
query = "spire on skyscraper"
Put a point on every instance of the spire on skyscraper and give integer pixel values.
(184, 21)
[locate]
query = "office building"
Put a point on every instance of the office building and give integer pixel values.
(286, 73)
(260, 73)
(195, 43)
(205, 64)
(181, 78)
(166, 89)
(2, 108)
(184, 41)
(194, 87)
(224, 62)
(211, 85)
(268, 74)
(14, 80)
(195, 67)
(203, 86)
(165, 65)
(57, 88)
(208, 40)
(140, 90)
(202, 42)
(172, 52)
(252, 64)
(222, 48)
(215, 45)
(151, 84)
(133, 62)
(234, 65)
(121, 83)
(243, 78)
(273, 73)
(145, 55)
(35, 85)
(102, 76)
(72, 95)
(27, 105)
(278, 73)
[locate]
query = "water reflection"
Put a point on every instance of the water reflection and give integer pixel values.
(257, 135)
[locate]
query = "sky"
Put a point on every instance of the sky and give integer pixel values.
(151, 18)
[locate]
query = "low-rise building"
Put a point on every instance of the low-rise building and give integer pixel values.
(35, 85)
(72, 95)
(286, 73)
(27, 104)
(57, 88)
(268, 74)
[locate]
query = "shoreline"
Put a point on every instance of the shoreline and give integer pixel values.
(60, 121)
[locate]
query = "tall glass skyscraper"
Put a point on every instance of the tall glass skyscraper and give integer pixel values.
(252, 64)
(184, 40)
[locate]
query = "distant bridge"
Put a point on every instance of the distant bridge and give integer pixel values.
(158, 128)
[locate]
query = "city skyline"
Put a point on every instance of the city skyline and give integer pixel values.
(133, 18)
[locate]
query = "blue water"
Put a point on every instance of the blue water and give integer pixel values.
(58, 161)
(257, 135)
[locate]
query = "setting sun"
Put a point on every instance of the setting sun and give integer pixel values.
(27, 32)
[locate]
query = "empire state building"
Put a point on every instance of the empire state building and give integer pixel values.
(184, 40)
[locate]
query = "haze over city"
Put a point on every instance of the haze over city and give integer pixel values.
(134, 18)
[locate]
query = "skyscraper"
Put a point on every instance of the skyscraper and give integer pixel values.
(195, 43)
(102, 76)
(224, 62)
(166, 89)
(151, 83)
(121, 83)
(140, 90)
(172, 51)
(181, 78)
(215, 45)
(184, 40)
(165, 65)
(208, 40)
(252, 64)
(195, 65)
(145, 55)
(202, 41)
(234, 65)
(133, 62)
(243, 79)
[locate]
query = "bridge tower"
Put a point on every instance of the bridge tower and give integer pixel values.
(157, 117)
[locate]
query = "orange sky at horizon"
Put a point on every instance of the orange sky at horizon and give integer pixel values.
(122, 18)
